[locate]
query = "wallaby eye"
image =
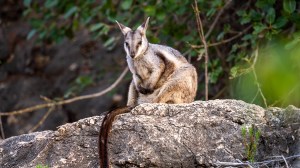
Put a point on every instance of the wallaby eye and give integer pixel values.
(126, 44)
(139, 43)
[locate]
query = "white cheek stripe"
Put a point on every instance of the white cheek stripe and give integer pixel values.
(130, 64)
(139, 51)
(126, 50)
(171, 58)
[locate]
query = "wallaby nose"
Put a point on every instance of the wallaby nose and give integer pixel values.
(132, 54)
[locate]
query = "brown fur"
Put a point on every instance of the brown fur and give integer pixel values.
(105, 127)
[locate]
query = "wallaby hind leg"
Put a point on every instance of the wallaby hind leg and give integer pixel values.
(175, 92)
(181, 88)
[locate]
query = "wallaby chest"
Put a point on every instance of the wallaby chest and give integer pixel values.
(144, 66)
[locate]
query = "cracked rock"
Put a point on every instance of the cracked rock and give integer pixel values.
(162, 135)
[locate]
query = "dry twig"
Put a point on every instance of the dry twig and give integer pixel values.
(1, 129)
(258, 164)
(211, 28)
(58, 103)
(224, 41)
(202, 37)
(5, 37)
(287, 165)
(42, 120)
(256, 79)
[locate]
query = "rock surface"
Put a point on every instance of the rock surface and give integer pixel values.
(160, 135)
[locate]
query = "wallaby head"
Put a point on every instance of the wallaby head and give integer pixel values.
(135, 41)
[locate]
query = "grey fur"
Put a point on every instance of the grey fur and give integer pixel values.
(160, 73)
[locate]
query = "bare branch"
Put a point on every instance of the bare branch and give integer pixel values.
(287, 165)
(211, 28)
(42, 120)
(1, 129)
(54, 104)
(256, 79)
(257, 164)
(231, 164)
(201, 35)
(224, 41)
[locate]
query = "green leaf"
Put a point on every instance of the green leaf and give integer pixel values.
(227, 28)
(150, 10)
(126, 4)
(257, 135)
(70, 12)
(41, 166)
(211, 12)
(264, 3)
(292, 44)
(247, 37)
(289, 6)
(216, 3)
(259, 28)
(104, 30)
(251, 130)
(27, 11)
(51, 3)
(27, 3)
(220, 36)
(42, 35)
(296, 35)
(271, 2)
(214, 75)
(271, 16)
(96, 26)
(244, 130)
(280, 22)
(260, 3)
(161, 16)
(84, 81)
(241, 12)
(36, 23)
(31, 34)
(234, 72)
(109, 44)
(255, 16)
(245, 19)
(75, 24)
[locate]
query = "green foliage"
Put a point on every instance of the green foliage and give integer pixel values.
(277, 70)
(80, 83)
(289, 6)
(251, 137)
(255, 23)
(41, 166)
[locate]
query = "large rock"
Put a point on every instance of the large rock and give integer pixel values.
(161, 135)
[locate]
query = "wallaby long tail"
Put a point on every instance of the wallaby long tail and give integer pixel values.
(104, 131)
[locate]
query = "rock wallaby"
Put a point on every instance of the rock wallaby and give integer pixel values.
(160, 75)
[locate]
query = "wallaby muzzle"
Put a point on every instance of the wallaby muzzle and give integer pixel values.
(132, 54)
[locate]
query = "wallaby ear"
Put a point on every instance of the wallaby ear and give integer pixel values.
(142, 28)
(123, 28)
